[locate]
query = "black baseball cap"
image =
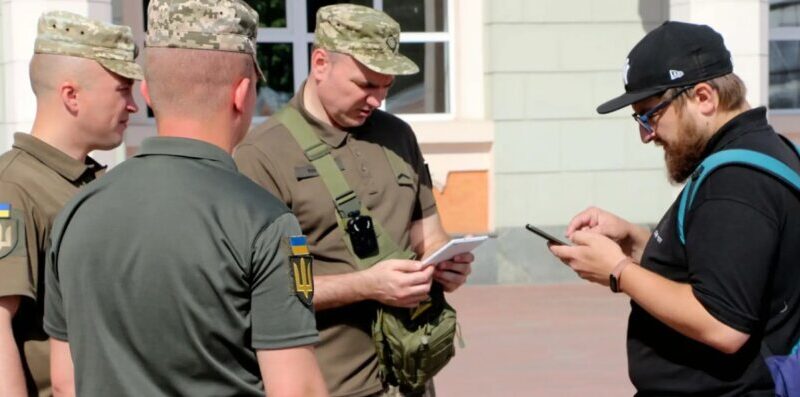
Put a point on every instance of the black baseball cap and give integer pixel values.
(675, 54)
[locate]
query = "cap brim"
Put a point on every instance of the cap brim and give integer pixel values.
(392, 65)
(127, 69)
(628, 98)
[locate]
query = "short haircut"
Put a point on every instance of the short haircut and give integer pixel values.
(730, 89)
(48, 71)
(190, 82)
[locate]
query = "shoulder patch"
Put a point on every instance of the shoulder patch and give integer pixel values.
(12, 224)
(301, 271)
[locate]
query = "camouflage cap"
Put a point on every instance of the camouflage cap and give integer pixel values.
(368, 35)
(65, 33)
(217, 25)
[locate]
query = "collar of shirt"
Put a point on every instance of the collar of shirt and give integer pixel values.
(185, 147)
(329, 134)
(749, 121)
(58, 161)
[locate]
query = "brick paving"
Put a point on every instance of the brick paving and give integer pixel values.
(539, 340)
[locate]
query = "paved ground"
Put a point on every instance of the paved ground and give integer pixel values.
(538, 340)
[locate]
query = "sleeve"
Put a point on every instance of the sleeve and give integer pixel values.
(55, 323)
(17, 272)
(254, 164)
(280, 316)
(426, 203)
(730, 249)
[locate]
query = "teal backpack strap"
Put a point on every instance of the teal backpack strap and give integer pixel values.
(759, 161)
(346, 201)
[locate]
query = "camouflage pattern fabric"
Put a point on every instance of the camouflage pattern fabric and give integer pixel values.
(216, 25)
(368, 35)
(65, 33)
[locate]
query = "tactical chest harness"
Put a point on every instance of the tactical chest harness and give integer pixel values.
(412, 346)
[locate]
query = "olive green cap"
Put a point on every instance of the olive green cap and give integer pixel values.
(66, 33)
(368, 35)
(214, 25)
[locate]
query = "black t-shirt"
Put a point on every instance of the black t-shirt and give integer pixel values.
(742, 258)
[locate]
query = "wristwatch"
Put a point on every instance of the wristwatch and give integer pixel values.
(614, 279)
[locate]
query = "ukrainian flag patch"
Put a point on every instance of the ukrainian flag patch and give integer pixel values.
(5, 210)
(299, 245)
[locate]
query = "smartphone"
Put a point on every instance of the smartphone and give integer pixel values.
(547, 236)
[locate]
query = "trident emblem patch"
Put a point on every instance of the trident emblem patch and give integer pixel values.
(302, 274)
(303, 278)
(8, 236)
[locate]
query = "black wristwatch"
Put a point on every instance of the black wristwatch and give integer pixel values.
(616, 274)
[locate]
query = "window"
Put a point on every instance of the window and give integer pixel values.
(286, 34)
(784, 54)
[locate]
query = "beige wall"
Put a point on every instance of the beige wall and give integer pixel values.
(550, 63)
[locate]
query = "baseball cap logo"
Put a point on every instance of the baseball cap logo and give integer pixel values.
(675, 74)
(625, 69)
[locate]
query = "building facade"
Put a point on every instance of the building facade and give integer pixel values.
(504, 104)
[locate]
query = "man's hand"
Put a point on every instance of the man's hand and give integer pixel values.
(400, 283)
(453, 273)
(599, 221)
(631, 238)
(593, 256)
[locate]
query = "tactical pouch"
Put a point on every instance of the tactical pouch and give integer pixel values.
(412, 349)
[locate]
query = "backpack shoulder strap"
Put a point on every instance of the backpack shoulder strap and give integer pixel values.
(346, 201)
(753, 159)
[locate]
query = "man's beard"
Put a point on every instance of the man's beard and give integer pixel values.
(686, 153)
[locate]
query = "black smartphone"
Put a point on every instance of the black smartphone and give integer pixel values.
(547, 236)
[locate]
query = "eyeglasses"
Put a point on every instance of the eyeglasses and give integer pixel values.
(645, 119)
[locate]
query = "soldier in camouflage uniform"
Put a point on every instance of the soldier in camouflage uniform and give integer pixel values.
(353, 64)
(81, 73)
(198, 285)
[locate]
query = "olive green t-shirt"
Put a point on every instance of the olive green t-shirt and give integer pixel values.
(272, 158)
(36, 180)
(168, 274)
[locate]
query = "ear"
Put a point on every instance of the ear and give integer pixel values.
(68, 92)
(144, 89)
(320, 63)
(241, 94)
(706, 98)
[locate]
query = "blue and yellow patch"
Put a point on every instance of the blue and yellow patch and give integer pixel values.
(302, 275)
(5, 210)
(299, 245)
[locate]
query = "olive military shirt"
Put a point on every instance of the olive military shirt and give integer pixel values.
(36, 180)
(271, 157)
(189, 277)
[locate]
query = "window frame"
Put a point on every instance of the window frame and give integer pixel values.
(295, 34)
(781, 34)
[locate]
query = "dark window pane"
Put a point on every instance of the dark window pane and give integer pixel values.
(418, 15)
(784, 74)
(313, 5)
(276, 62)
(784, 14)
(271, 13)
(426, 91)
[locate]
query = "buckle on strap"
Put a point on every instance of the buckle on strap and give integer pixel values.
(317, 151)
(347, 204)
